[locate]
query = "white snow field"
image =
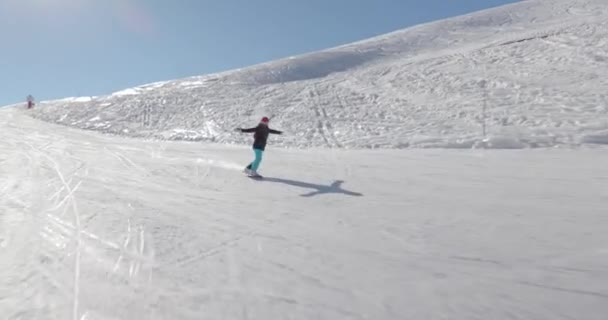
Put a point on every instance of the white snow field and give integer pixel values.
(107, 227)
(101, 227)
(538, 66)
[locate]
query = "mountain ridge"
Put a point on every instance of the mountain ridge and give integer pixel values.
(534, 65)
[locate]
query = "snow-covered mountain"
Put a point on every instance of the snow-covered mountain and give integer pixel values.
(96, 227)
(100, 227)
(538, 66)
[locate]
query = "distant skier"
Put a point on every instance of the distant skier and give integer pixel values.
(30, 101)
(260, 137)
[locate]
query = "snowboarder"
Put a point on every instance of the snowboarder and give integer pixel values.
(260, 137)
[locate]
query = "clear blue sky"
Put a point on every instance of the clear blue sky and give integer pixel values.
(60, 48)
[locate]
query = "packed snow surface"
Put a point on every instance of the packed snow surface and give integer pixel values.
(102, 227)
(537, 68)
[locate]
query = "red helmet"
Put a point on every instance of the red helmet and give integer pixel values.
(265, 120)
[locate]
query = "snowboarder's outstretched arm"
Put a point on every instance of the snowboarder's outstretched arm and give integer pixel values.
(275, 131)
(246, 130)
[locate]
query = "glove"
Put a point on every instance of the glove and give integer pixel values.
(238, 129)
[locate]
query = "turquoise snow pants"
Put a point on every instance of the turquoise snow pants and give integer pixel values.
(258, 159)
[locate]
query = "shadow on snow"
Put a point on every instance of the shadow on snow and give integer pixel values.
(335, 187)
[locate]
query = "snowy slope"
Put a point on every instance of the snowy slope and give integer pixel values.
(99, 227)
(537, 66)
(95, 227)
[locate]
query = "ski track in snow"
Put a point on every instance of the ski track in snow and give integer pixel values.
(100, 227)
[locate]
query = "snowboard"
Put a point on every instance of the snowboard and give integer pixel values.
(252, 176)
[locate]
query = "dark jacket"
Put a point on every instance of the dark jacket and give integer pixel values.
(261, 135)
